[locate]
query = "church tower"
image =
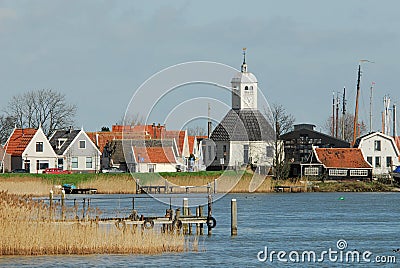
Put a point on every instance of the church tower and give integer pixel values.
(244, 88)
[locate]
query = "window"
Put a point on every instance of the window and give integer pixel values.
(39, 146)
(388, 161)
(151, 167)
(311, 171)
(40, 164)
(377, 145)
(82, 144)
(270, 151)
(338, 172)
(251, 87)
(246, 88)
(246, 154)
(359, 172)
(60, 163)
(377, 161)
(61, 142)
(224, 148)
(369, 159)
(209, 152)
(89, 162)
(74, 162)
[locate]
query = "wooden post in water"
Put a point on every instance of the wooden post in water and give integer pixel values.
(76, 210)
(233, 217)
(215, 186)
(177, 218)
(201, 224)
(209, 212)
(51, 204)
(185, 213)
(88, 210)
(83, 208)
(197, 224)
(62, 204)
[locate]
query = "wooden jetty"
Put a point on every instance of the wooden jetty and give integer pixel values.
(177, 220)
(81, 191)
(292, 189)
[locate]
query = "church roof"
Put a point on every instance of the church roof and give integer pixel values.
(243, 125)
(244, 77)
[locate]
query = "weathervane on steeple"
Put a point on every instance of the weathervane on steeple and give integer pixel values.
(244, 65)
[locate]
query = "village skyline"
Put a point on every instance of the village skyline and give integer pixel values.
(298, 63)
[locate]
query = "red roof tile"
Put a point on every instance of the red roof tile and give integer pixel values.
(18, 141)
(342, 158)
(154, 155)
(179, 136)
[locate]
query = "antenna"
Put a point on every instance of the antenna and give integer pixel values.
(209, 121)
(370, 107)
(343, 111)
(333, 114)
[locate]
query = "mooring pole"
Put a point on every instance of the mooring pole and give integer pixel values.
(62, 204)
(209, 212)
(83, 208)
(51, 203)
(233, 217)
(185, 208)
(201, 224)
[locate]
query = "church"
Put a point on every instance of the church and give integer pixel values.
(244, 136)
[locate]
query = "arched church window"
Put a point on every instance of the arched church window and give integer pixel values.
(251, 87)
(246, 88)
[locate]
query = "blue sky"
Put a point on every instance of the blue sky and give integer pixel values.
(99, 52)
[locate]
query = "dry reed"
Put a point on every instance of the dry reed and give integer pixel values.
(26, 229)
(26, 186)
(119, 184)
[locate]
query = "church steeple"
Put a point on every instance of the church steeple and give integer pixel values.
(244, 64)
(244, 88)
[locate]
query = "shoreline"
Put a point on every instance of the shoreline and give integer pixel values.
(40, 184)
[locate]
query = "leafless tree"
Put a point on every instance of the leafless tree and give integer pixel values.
(132, 120)
(6, 126)
(196, 131)
(348, 120)
(46, 108)
(283, 123)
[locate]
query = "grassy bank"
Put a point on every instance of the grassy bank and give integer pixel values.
(26, 228)
(242, 182)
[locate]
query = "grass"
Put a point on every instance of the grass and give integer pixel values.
(27, 229)
(353, 186)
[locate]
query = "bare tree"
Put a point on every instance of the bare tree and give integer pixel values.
(6, 126)
(348, 120)
(46, 108)
(283, 123)
(132, 120)
(196, 131)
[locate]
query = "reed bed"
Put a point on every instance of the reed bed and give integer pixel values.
(111, 184)
(26, 185)
(26, 228)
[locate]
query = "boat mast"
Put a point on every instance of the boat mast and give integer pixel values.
(355, 125)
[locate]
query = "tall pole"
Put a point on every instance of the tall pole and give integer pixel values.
(209, 122)
(343, 112)
(337, 115)
(333, 114)
(394, 121)
(370, 107)
(356, 111)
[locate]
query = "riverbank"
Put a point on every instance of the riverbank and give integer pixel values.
(245, 182)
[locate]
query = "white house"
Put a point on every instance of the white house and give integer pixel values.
(39, 154)
(244, 136)
(154, 159)
(380, 151)
(75, 151)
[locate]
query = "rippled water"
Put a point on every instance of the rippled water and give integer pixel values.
(288, 222)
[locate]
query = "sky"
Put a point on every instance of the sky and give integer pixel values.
(99, 53)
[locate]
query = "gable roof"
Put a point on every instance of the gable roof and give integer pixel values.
(191, 141)
(341, 158)
(179, 136)
(395, 143)
(243, 125)
(68, 135)
(18, 141)
(154, 155)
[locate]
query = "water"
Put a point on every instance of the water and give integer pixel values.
(288, 222)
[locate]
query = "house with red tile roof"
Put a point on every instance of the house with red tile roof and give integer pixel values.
(337, 164)
(154, 159)
(380, 151)
(30, 149)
